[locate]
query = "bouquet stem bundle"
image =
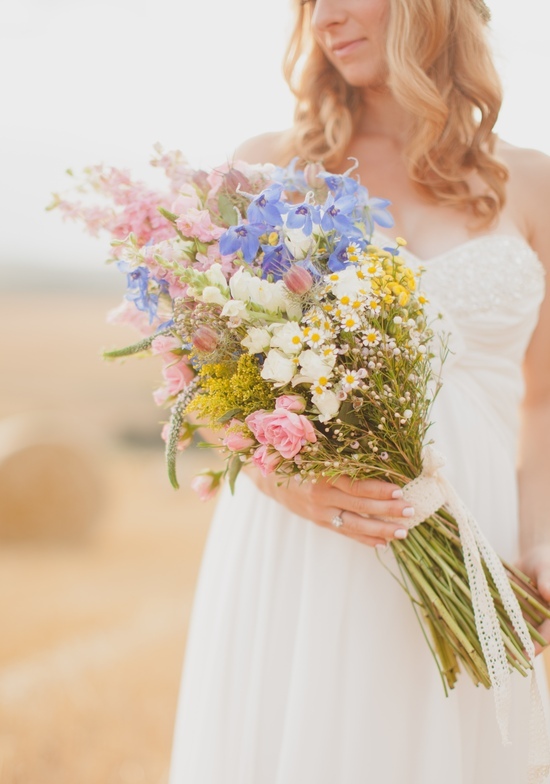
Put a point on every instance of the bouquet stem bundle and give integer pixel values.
(434, 575)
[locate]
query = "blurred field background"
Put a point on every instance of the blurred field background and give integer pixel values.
(94, 614)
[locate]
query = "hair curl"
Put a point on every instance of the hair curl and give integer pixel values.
(440, 70)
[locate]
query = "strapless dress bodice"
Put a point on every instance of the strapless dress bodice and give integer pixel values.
(485, 295)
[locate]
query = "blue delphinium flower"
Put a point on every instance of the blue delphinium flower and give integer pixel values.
(290, 178)
(267, 207)
(140, 290)
(303, 216)
(340, 184)
(379, 213)
(244, 238)
(336, 215)
(338, 259)
(277, 260)
(372, 210)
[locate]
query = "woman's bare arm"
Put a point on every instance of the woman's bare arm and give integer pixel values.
(534, 466)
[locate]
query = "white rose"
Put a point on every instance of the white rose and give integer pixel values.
(234, 309)
(277, 367)
(298, 243)
(212, 294)
(256, 340)
(288, 337)
(327, 404)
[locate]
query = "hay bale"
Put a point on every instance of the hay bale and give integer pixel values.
(50, 484)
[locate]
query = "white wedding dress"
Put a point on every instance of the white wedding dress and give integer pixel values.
(305, 662)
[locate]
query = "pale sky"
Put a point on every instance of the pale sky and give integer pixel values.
(87, 82)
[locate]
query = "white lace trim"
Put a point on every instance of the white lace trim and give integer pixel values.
(428, 493)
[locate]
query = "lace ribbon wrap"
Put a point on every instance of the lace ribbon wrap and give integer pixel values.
(428, 493)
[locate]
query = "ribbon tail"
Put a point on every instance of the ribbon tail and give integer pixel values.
(539, 744)
(485, 614)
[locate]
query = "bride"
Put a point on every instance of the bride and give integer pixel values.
(305, 663)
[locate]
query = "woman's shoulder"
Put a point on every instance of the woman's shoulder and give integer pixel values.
(265, 148)
(529, 168)
(529, 186)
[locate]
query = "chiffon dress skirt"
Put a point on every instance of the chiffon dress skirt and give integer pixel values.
(305, 662)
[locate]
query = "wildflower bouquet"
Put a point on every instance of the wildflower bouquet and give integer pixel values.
(310, 350)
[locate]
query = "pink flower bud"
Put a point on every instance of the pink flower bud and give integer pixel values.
(200, 178)
(236, 441)
(235, 178)
(295, 403)
(205, 339)
(206, 485)
(298, 280)
(266, 461)
(311, 172)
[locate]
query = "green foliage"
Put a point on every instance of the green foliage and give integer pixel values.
(227, 210)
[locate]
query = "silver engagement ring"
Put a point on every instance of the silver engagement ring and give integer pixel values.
(337, 521)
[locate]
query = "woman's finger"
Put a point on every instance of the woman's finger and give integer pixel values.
(543, 582)
(544, 630)
(360, 505)
(372, 527)
(368, 488)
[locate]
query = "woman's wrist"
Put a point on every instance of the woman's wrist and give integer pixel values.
(256, 476)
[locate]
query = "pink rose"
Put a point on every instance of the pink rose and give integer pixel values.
(176, 376)
(266, 461)
(206, 485)
(237, 441)
(294, 403)
(163, 344)
(286, 431)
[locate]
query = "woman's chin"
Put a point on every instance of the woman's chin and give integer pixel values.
(363, 77)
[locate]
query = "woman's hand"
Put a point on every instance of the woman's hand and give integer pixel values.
(363, 505)
(536, 565)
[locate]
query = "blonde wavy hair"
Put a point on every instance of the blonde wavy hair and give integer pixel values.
(441, 71)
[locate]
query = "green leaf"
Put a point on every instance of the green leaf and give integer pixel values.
(168, 215)
(227, 210)
(229, 415)
(233, 471)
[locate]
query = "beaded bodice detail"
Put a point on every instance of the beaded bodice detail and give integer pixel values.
(489, 290)
(484, 299)
(486, 274)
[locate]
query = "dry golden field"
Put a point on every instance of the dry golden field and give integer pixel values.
(93, 630)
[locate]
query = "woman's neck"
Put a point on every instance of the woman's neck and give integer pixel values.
(383, 116)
